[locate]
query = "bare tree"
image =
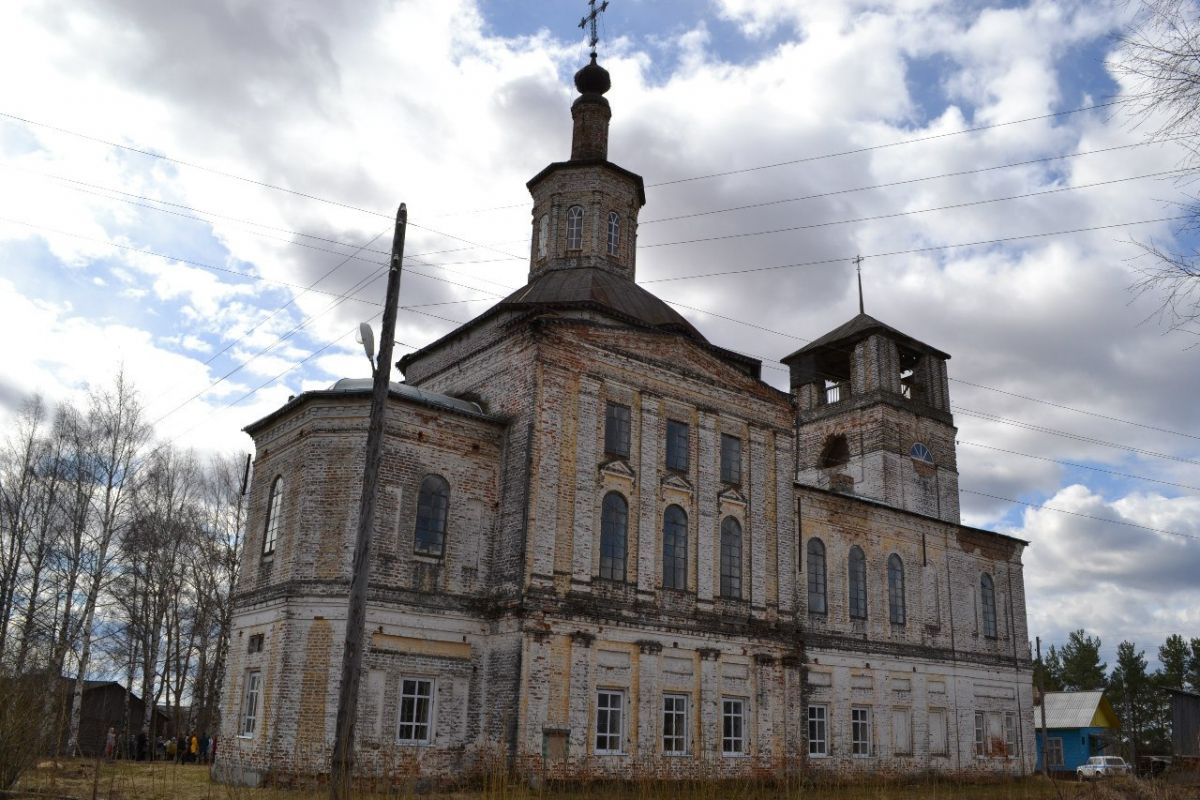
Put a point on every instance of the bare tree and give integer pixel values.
(17, 486)
(1161, 54)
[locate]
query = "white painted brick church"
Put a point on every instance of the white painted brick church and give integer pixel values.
(605, 547)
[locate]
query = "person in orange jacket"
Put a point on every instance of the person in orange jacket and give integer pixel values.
(194, 748)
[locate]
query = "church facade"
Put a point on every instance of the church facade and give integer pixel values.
(604, 546)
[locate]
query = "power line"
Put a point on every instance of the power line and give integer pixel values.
(909, 181)
(1110, 520)
(911, 251)
(1082, 466)
(896, 214)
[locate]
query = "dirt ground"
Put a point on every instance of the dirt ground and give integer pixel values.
(78, 779)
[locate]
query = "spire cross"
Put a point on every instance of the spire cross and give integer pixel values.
(590, 19)
(858, 268)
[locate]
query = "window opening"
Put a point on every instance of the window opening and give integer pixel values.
(733, 734)
(543, 235)
(987, 591)
(818, 742)
(416, 711)
(609, 706)
(250, 703)
(677, 445)
(896, 610)
(817, 601)
(675, 723)
(836, 451)
(860, 731)
(858, 583)
(731, 559)
(675, 536)
(575, 227)
(433, 506)
(919, 452)
(614, 522)
(614, 232)
(271, 529)
(616, 430)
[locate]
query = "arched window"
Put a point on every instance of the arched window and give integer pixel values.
(675, 548)
(896, 611)
(614, 232)
(614, 527)
(919, 452)
(731, 558)
(817, 603)
(271, 529)
(574, 227)
(858, 583)
(543, 235)
(836, 451)
(987, 597)
(433, 505)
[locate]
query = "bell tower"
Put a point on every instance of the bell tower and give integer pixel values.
(585, 209)
(873, 418)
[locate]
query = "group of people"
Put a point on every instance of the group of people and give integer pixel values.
(190, 749)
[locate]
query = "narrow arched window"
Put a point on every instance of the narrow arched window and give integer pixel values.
(614, 529)
(896, 611)
(433, 506)
(543, 235)
(675, 548)
(817, 602)
(614, 232)
(858, 583)
(574, 227)
(987, 599)
(271, 529)
(731, 558)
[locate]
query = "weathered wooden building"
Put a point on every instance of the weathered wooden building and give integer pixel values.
(605, 546)
(1185, 723)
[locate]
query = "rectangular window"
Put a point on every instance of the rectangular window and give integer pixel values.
(980, 741)
(250, 703)
(675, 708)
(256, 643)
(937, 732)
(616, 430)
(416, 711)
(609, 706)
(1010, 734)
(677, 445)
(860, 731)
(731, 459)
(818, 730)
(1054, 752)
(733, 727)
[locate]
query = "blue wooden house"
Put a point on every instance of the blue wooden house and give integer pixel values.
(1078, 725)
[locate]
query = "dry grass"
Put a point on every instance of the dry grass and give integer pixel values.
(161, 781)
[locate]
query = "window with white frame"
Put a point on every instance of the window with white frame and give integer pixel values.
(1010, 734)
(860, 731)
(250, 703)
(818, 730)
(980, 735)
(416, 711)
(733, 726)
(675, 711)
(574, 227)
(271, 529)
(609, 720)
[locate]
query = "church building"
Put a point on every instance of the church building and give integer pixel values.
(604, 546)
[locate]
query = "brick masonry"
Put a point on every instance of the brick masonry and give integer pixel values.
(513, 625)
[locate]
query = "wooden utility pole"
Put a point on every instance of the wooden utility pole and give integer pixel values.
(1041, 676)
(342, 766)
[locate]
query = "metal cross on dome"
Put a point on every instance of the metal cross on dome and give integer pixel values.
(590, 19)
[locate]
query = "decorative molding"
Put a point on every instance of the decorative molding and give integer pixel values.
(582, 638)
(709, 653)
(649, 646)
(732, 496)
(674, 482)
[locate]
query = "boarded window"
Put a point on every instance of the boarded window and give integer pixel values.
(937, 732)
(902, 731)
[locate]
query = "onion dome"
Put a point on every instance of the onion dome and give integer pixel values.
(593, 79)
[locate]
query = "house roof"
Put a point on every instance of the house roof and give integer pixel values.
(1077, 710)
(860, 327)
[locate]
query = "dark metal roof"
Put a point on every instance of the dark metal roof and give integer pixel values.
(593, 287)
(857, 329)
(591, 162)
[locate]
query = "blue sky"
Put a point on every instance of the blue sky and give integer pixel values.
(331, 117)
